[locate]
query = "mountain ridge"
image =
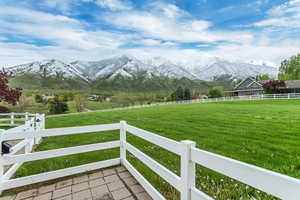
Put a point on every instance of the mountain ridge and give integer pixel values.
(127, 66)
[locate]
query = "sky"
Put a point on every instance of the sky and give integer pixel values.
(192, 31)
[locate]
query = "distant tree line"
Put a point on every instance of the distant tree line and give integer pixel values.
(180, 94)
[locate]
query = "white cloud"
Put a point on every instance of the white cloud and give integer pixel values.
(261, 51)
(113, 4)
(57, 29)
(68, 37)
(62, 5)
(163, 28)
(284, 15)
(149, 42)
(152, 42)
(168, 10)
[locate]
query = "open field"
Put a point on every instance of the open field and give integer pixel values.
(264, 133)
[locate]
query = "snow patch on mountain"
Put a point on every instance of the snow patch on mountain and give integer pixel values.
(129, 66)
(49, 67)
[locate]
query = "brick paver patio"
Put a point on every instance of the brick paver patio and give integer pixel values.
(108, 184)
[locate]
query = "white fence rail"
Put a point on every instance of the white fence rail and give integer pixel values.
(278, 185)
(32, 124)
(12, 119)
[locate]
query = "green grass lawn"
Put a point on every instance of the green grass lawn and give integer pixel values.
(265, 133)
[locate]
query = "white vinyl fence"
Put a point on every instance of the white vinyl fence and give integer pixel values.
(278, 185)
(208, 100)
(15, 119)
(32, 124)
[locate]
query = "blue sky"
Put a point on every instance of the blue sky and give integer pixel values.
(180, 30)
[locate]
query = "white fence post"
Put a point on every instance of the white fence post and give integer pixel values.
(123, 125)
(188, 172)
(26, 116)
(12, 118)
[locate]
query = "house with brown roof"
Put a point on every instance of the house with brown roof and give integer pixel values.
(254, 86)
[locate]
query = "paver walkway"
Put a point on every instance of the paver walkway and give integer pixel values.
(108, 184)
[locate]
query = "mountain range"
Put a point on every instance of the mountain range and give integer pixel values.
(128, 66)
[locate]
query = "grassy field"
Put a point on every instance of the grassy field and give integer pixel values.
(265, 133)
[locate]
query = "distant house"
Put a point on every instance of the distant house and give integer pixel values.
(253, 86)
(249, 86)
(291, 86)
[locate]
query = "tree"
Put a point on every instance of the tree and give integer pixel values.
(179, 94)
(187, 94)
(80, 102)
(58, 106)
(9, 95)
(273, 86)
(217, 91)
(290, 69)
(263, 77)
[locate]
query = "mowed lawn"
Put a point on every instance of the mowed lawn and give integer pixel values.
(265, 133)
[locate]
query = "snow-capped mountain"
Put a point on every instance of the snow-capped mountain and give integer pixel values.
(50, 67)
(130, 66)
(235, 70)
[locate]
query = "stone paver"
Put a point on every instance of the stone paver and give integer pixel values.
(130, 181)
(111, 178)
(64, 183)
(62, 192)
(121, 194)
(115, 185)
(46, 196)
(82, 195)
(129, 198)
(46, 189)
(121, 169)
(96, 175)
(27, 194)
(100, 192)
(68, 197)
(96, 182)
(137, 189)
(80, 186)
(109, 184)
(80, 179)
(143, 196)
(108, 172)
(8, 197)
(124, 174)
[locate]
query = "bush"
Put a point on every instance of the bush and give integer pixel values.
(38, 98)
(58, 106)
(23, 104)
(4, 109)
(80, 102)
(216, 92)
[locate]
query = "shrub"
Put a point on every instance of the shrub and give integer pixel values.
(7, 94)
(38, 98)
(23, 104)
(4, 109)
(58, 106)
(217, 91)
(273, 86)
(80, 102)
